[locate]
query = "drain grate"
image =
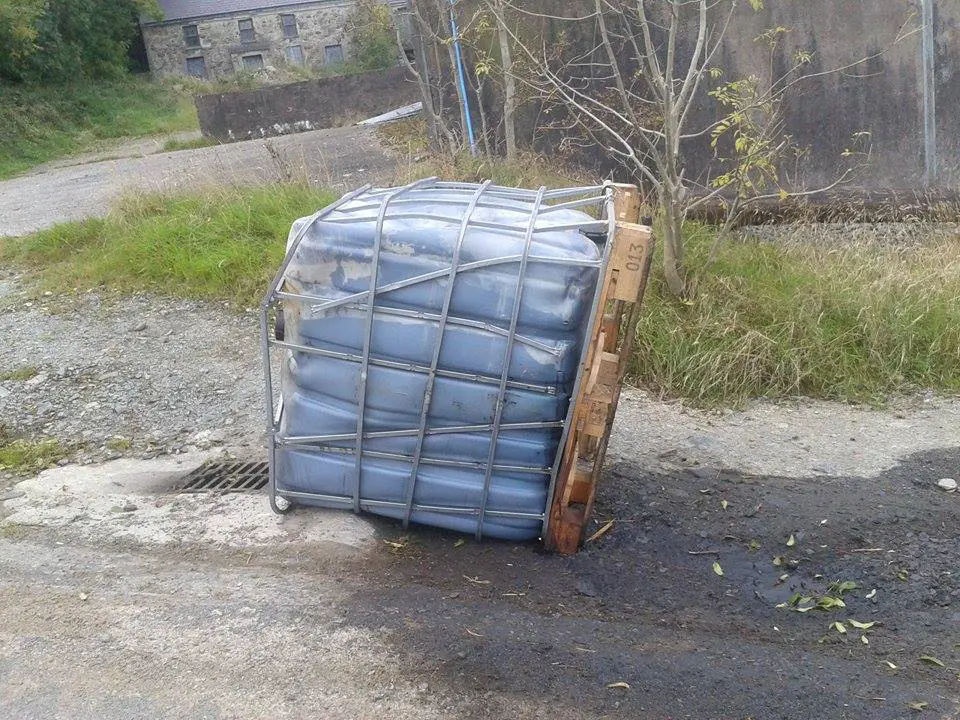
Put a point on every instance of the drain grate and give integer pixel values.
(227, 477)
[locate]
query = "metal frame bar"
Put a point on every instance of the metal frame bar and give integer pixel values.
(441, 330)
(507, 355)
(354, 208)
(365, 361)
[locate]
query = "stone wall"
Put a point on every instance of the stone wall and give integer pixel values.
(310, 105)
(320, 25)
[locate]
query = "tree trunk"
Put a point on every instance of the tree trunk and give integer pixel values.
(509, 86)
(673, 244)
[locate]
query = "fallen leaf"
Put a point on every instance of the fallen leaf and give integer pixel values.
(863, 639)
(862, 625)
(459, 543)
(472, 633)
(753, 546)
(791, 541)
(706, 491)
(476, 580)
(840, 628)
(600, 532)
(870, 595)
(724, 504)
(892, 666)
(917, 705)
(930, 660)
(840, 588)
(778, 561)
(717, 569)
(829, 603)
(618, 686)
(783, 578)
(902, 574)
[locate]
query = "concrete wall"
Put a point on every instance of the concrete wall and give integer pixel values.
(319, 25)
(310, 105)
(882, 97)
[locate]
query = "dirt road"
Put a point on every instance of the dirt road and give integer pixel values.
(121, 599)
(337, 158)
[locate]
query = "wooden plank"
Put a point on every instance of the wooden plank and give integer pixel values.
(628, 260)
(594, 407)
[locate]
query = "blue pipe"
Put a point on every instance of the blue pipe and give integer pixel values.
(462, 80)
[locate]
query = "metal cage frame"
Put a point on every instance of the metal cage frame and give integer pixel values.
(382, 201)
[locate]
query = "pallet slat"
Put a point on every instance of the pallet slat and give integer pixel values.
(611, 340)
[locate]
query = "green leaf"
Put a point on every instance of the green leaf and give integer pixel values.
(830, 603)
(892, 666)
(460, 543)
(839, 588)
(717, 569)
(930, 660)
(840, 628)
(862, 625)
(724, 504)
(863, 639)
(918, 706)
(791, 541)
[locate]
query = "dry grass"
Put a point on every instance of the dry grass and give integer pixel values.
(854, 322)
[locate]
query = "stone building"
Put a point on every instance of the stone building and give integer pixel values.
(215, 38)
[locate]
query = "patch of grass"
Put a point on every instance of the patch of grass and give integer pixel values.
(173, 144)
(851, 322)
(23, 457)
(20, 374)
(218, 244)
(408, 139)
(41, 123)
(119, 444)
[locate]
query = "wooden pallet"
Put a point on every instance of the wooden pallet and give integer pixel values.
(611, 342)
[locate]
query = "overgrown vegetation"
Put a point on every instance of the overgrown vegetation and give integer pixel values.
(854, 322)
(60, 41)
(23, 457)
(172, 144)
(219, 244)
(20, 374)
(372, 37)
(39, 122)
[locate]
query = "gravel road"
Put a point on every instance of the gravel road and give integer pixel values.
(120, 600)
(337, 158)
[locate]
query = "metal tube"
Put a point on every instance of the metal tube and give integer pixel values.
(409, 432)
(461, 80)
(365, 360)
(508, 352)
(412, 367)
(441, 329)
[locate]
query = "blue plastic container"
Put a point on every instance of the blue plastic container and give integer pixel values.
(444, 358)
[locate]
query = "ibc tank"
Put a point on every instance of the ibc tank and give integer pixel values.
(442, 397)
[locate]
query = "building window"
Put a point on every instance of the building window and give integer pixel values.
(252, 62)
(196, 67)
(191, 36)
(333, 54)
(294, 54)
(289, 25)
(246, 30)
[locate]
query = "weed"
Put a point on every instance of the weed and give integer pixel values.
(40, 123)
(173, 144)
(20, 374)
(119, 444)
(854, 322)
(23, 457)
(219, 244)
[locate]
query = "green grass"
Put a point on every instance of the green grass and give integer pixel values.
(42, 123)
(857, 322)
(23, 457)
(850, 321)
(219, 244)
(173, 144)
(20, 374)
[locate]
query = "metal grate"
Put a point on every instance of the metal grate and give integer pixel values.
(227, 477)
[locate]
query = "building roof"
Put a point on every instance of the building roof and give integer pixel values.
(176, 10)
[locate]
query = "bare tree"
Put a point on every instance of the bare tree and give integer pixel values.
(498, 9)
(636, 93)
